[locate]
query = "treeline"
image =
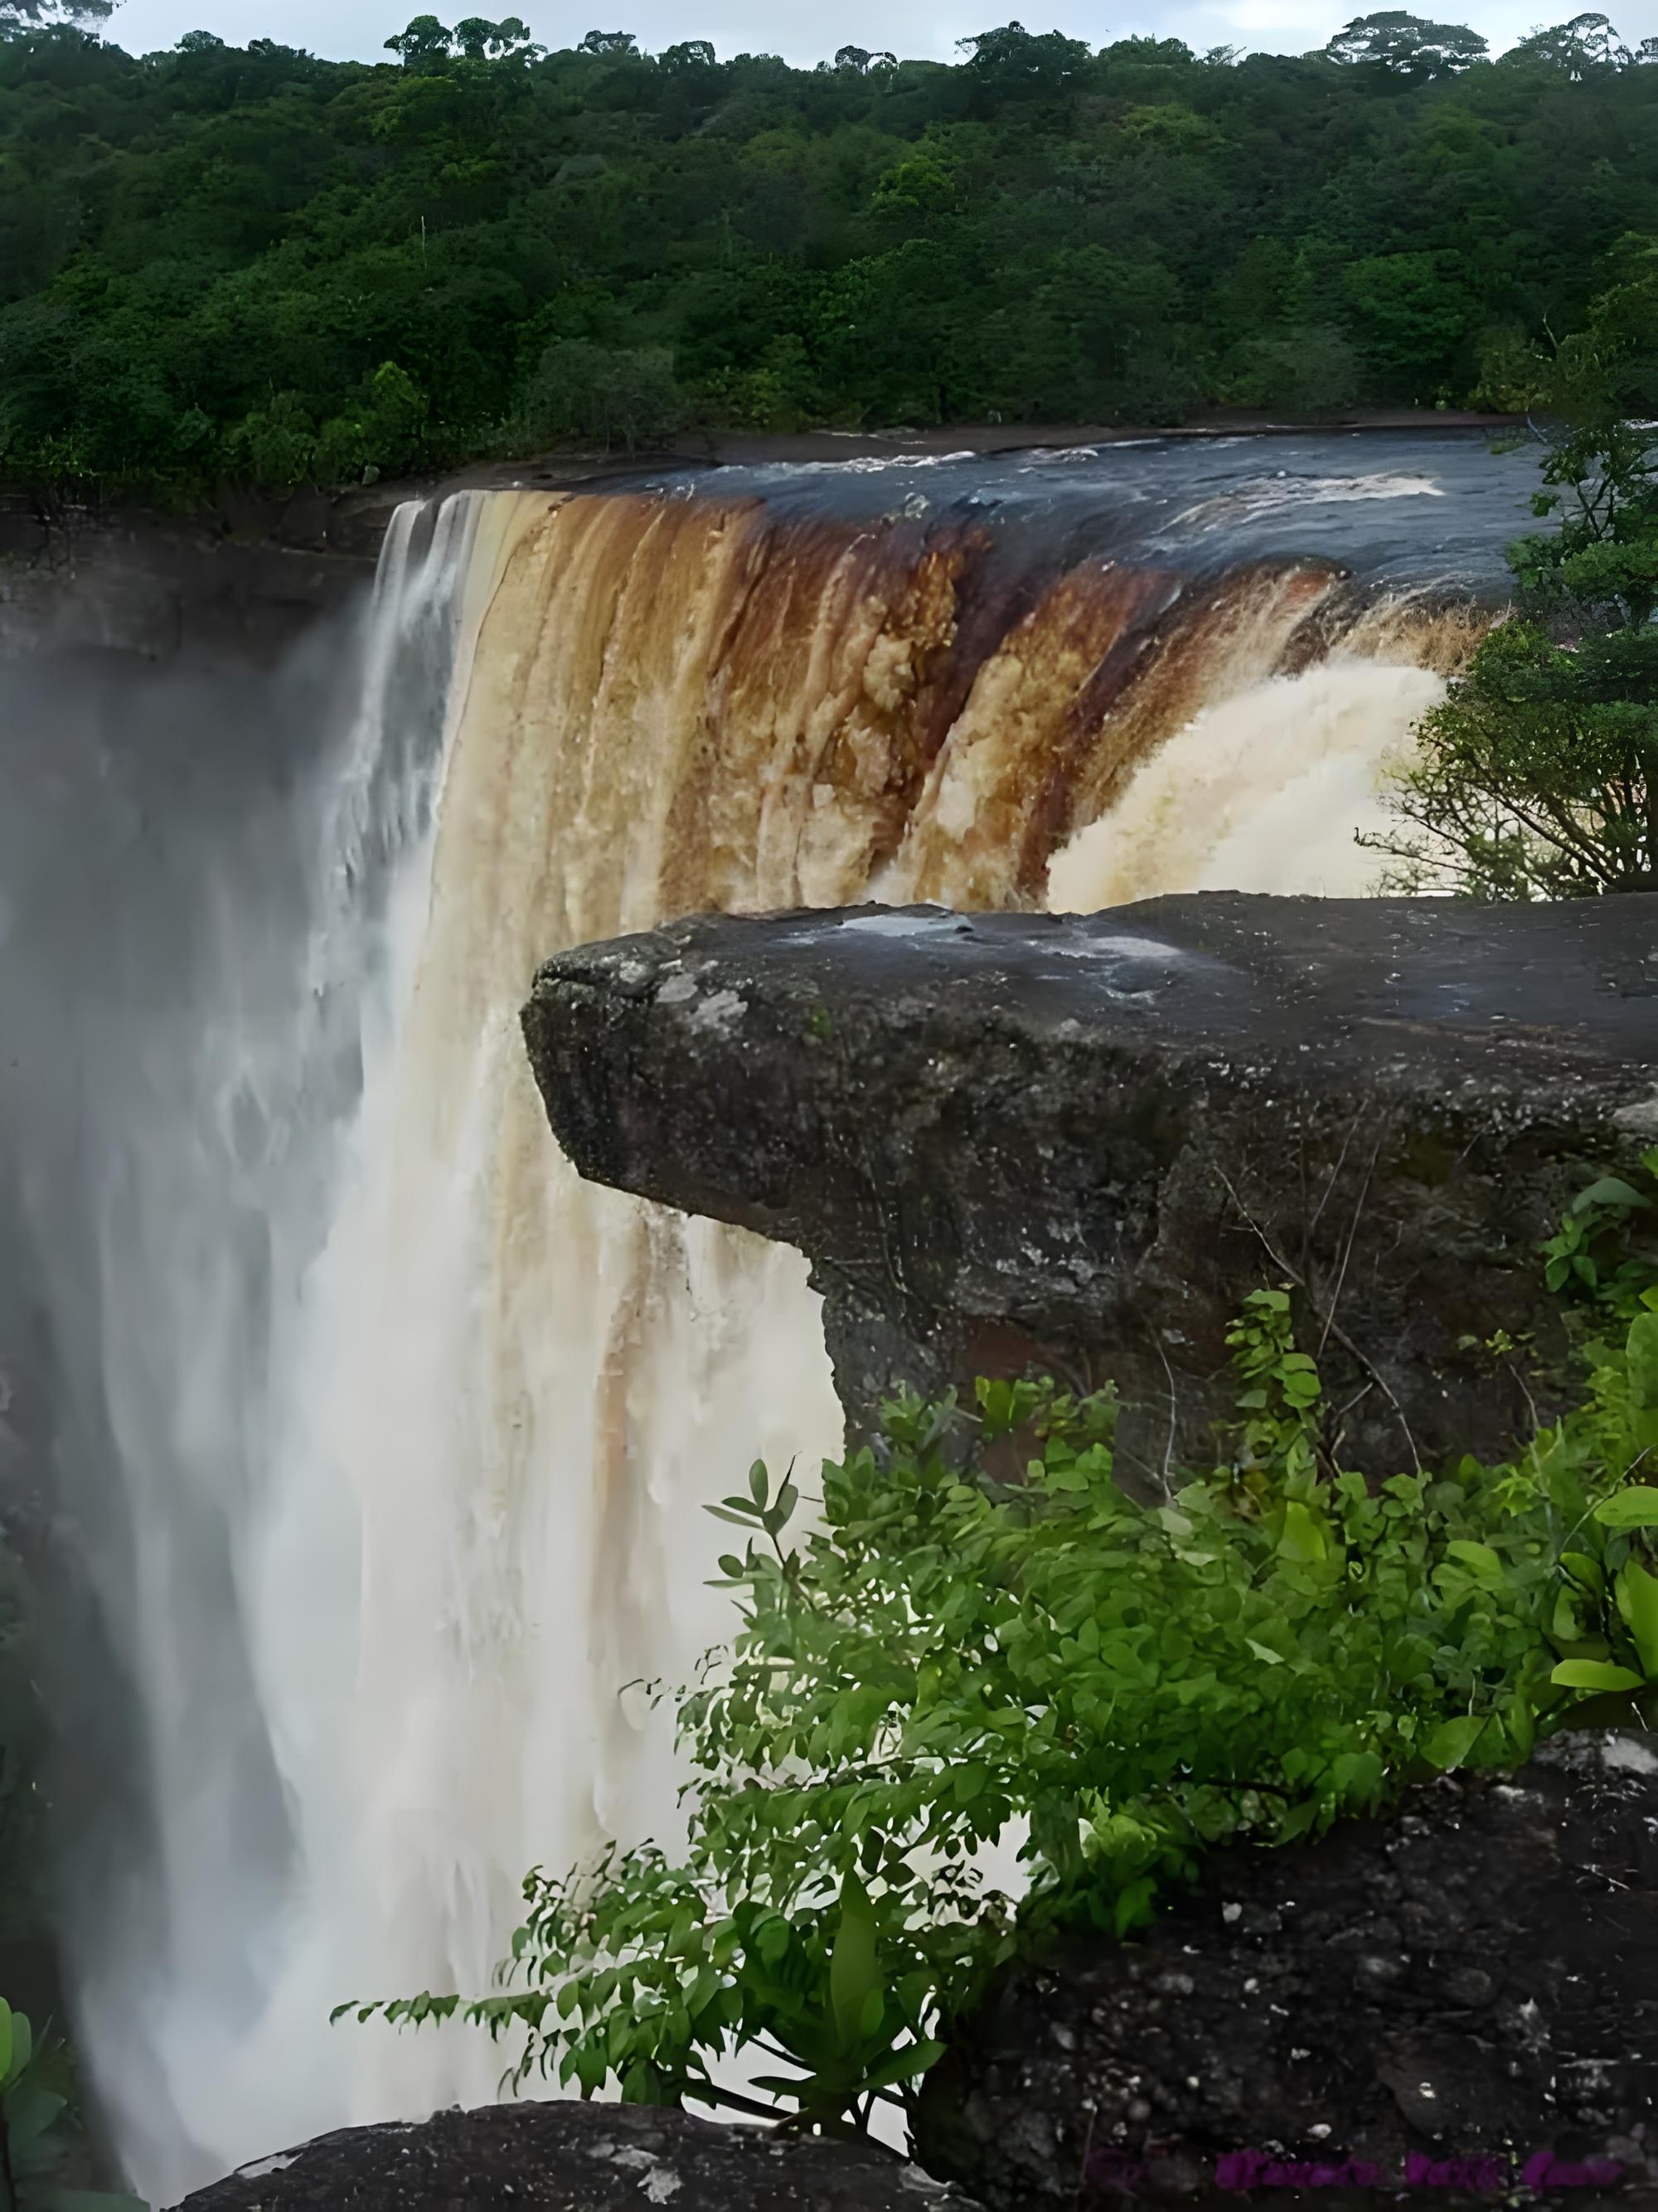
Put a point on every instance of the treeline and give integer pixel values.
(219, 263)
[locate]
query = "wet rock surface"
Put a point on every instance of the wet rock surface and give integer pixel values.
(1015, 1139)
(565, 2156)
(1477, 1979)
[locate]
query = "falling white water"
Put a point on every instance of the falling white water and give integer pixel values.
(496, 1402)
(445, 1445)
(1267, 791)
(212, 1214)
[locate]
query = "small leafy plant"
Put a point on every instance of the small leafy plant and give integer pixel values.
(941, 1664)
(1588, 1261)
(35, 2103)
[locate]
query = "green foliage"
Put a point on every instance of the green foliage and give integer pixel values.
(1589, 1261)
(1576, 51)
(36, 2099)
(941, 1662)
(17, 15)
(382, 430)
(1605, 1620)
(210, 257)
(1406, 46)
(1537, 776)
(1600, 564)
(604, 395)
(1605, 1625)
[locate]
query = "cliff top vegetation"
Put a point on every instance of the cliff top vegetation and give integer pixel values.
(252, 265)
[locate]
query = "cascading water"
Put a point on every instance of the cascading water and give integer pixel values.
(413, 1428)
(252, 971)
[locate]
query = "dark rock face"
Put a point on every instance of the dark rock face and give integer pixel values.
(168, 591)
(236, 580)
(1012, 1139)
(570, 2157)
(1479, 1977)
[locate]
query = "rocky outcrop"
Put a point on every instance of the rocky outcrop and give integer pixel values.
(565, 2156)
(1468, 1993)
(1006, 1140)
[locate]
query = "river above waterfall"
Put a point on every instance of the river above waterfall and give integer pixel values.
(1398, 506)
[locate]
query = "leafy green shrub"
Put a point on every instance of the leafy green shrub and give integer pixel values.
(1589, 1261)
(945, 1661)
(35, 2150)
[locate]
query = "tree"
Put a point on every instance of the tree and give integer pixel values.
(1155, 53)
(1310, 370)
(424, 41)
(478, 39)
(1013, 59)
(1538, 775)
(919, 186)
(606, 394)
(1598, 569)
(1415, 313)
(17, 16)
(1406, 45)
(1575, 50)
(860, 245)
(858, 61)
(384, 433)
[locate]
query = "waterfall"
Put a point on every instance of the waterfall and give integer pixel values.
(472, 1407)
(1263, 792)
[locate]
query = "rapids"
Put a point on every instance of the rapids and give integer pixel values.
(391, 1436)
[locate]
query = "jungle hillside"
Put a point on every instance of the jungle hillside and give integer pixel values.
(224, 265)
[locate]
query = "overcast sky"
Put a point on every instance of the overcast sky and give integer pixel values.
(927, 28)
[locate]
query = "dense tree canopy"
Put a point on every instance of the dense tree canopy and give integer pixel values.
(220, 262)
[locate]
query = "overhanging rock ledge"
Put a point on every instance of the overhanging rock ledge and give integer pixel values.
(1077, 1142)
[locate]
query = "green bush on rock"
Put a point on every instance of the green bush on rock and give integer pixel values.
(945, 1661)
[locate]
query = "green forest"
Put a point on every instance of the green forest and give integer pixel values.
(224, 265)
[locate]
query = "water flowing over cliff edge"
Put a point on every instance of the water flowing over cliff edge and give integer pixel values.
(413, 1428)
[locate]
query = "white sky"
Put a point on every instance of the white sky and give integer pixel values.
(344, 29)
